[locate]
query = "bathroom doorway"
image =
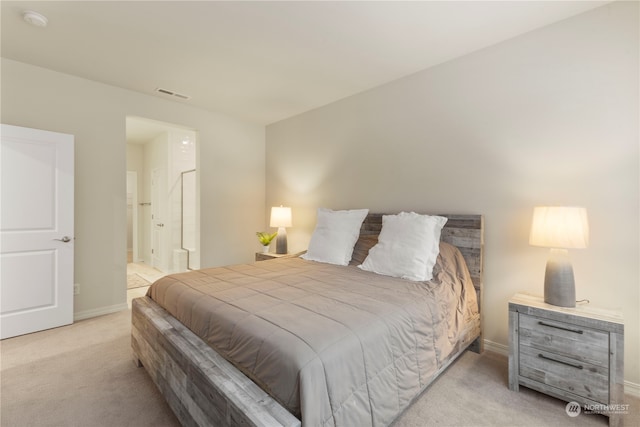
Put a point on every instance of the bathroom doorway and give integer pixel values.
(162, 200)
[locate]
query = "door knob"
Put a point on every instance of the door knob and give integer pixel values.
(65, 239)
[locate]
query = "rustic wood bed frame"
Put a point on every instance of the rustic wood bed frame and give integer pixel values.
(204, 389)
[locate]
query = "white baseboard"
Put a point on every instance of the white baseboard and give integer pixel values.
(630, 388)
(87, 314)
(496, 347)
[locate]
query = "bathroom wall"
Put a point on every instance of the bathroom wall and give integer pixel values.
(182, 158)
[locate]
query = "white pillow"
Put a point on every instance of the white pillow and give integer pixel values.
(407, 247)
(335, 236)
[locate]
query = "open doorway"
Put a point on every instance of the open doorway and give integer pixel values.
(162, 201)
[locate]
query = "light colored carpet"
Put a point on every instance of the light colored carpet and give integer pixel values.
(80, 375)
(83, 375)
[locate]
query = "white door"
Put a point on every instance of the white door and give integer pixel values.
(132, 215)
(36, 230)
(158, 215)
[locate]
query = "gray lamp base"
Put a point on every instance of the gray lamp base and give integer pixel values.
(281, 241)
(559, 283)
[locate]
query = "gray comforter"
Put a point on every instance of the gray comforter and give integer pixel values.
(337, 346)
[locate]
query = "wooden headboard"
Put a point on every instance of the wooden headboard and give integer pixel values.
(466, 232)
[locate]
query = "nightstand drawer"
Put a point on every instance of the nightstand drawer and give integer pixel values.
(565, 339)
(565, 373)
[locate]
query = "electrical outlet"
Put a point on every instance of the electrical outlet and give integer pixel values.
(76, 288)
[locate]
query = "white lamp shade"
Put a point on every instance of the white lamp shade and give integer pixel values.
(280, 217)
(559, 227)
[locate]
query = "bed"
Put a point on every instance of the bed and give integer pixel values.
(375, 343)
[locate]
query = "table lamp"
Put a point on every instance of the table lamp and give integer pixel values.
(559, 228)
(281, 218)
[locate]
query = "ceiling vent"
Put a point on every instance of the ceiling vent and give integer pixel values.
(172, 93)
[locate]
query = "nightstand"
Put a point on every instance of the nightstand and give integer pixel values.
(574, 354)
(262, 256)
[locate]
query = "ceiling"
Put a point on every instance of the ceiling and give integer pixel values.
(263, 61)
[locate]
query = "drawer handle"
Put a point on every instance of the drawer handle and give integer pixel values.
(577, 331)
(542, 356)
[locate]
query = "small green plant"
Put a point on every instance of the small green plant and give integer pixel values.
(265, 238)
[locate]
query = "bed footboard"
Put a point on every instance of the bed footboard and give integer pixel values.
(201, 387)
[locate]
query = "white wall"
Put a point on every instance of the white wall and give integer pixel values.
(182, 157)
(231, 164)
(550, 117)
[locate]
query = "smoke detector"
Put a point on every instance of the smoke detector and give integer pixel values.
(34, 18)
